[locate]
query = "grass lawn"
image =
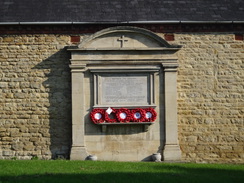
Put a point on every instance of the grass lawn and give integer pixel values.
(60, 171)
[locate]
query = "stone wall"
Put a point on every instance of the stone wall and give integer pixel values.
(211, 97)
(35, 96)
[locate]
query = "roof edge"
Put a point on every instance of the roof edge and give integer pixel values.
(126, 22)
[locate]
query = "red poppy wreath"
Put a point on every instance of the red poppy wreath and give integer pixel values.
(123, 115)
(109, 113)
(97, 115)
(138, 115)
(151, 115)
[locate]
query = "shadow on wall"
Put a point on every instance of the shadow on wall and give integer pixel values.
(58, 89)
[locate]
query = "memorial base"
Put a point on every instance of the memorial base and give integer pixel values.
(78, 153)
(172, 153)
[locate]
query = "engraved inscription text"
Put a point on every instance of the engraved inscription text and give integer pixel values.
(128, 90)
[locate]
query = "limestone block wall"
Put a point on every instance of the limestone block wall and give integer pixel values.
(35, 96)
(35, 99)
(211, 97)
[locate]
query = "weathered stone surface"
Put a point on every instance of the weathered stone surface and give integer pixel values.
(8, 153)
(29, 77)
(3, 129)
(210, 76)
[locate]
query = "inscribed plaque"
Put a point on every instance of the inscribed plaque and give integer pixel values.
(124, 89)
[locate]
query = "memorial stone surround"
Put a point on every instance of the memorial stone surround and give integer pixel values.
(123, 67)
(59, 64)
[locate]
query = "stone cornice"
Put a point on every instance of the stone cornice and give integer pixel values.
(77, 67)
(170, 66)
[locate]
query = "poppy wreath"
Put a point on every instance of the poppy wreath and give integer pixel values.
(151, 115)
(110, 120)
(138, 115)
(97, 115)
(123, 115)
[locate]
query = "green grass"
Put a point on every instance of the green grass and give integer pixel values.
(60, 171)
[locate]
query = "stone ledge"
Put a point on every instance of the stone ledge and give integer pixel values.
(145, 124)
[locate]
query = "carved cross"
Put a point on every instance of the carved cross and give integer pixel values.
(122, 40)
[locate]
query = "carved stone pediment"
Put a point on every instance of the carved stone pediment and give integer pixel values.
(124, 37)
(124, 43)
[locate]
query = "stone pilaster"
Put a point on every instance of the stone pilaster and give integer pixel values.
(172, 150)
(78, 149)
